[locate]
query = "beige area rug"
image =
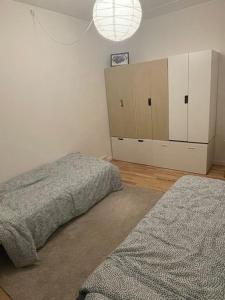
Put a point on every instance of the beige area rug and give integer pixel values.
(75, 250)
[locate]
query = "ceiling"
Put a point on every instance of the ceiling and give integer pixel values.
(83, 8)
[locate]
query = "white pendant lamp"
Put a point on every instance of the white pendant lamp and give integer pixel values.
(117, 20)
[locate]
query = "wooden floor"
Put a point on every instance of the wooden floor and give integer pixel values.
(157, 178)
(3, 295)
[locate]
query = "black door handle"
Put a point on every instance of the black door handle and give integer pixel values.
(150, 101)
(186, 98)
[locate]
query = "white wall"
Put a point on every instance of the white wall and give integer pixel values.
(52, 98)
(192, 29)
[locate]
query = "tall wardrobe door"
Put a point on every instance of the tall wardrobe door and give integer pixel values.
(178, 89)
(160, 99)
(200, 64)
(120, 101)
(142, 101)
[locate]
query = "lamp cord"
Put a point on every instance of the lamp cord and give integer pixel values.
(36, 20)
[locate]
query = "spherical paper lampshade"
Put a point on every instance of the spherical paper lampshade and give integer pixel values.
(117, 20)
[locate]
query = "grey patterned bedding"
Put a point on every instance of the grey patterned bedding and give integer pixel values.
(176, 252)
(35, 204)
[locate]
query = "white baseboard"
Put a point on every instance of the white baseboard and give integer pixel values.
(107, 158)
(220, 163)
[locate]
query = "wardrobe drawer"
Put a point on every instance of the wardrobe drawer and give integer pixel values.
(170, 155)
(132, 150)
(181, 156)
(196, 156)
(162, 154)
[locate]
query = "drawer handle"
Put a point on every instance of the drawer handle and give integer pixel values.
(140, 141)
(120, 139)
(186, 99)
(191, 148)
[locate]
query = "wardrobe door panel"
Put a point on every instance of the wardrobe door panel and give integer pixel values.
(178, 89)
(141, 92)
(126, 87)
(200, 64)
(120, 101)
(214, 95)
(160, 99)
(114, 105)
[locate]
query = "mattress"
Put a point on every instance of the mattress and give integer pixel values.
(35, 204)
(176, 252)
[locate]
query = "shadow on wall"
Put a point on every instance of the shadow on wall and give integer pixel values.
(220, 130)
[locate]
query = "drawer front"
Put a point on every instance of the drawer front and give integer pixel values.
(132, 150)
(170, 155)
(181, 156)
(195, 158)
(162, 154)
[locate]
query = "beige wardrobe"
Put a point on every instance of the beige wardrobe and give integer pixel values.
(138, 100)
(154, 108)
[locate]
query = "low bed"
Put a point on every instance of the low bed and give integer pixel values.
(176, 252)
(35, 204)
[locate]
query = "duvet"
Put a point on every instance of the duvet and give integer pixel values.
(35, 204)
(176, 252)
